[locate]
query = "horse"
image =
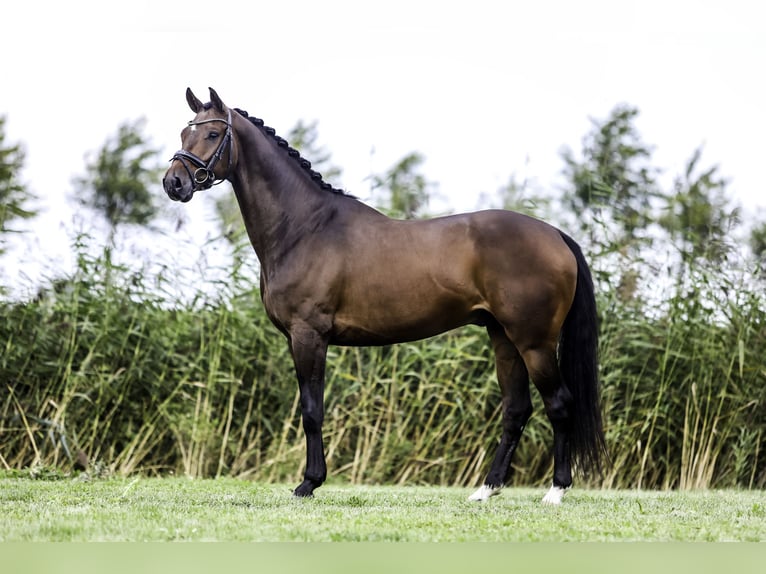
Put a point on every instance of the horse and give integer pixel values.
(335, 271)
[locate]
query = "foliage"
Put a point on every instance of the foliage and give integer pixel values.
(758, 241)
(698, 215)
(517, 196)
(634, 224)
(120, 178)
(405, 190)
(614, 178)
(304, 137)
(14, 196)
(684, 394)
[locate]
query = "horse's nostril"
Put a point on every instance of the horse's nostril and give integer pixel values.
(173, 185)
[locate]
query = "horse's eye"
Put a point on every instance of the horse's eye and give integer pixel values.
(212, 135)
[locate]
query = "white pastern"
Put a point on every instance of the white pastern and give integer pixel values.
(554, 495)
(484, 493)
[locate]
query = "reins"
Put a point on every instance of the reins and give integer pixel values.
(204, 174)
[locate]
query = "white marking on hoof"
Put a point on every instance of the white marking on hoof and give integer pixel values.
(554, 495)
(484, 493)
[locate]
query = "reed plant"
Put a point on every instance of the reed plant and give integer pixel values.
(103, 371)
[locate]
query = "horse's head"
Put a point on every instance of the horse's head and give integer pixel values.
(206, 155)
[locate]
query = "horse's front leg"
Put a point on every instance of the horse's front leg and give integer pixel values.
(309, 351)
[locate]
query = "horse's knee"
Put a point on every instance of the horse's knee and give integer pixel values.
(312, 422)
(312, 414)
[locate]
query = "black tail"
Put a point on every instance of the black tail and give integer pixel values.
(578, 363)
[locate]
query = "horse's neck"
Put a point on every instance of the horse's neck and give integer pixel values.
(279, 204)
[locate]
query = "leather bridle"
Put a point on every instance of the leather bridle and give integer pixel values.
(204, 176)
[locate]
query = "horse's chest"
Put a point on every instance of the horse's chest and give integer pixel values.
(274, 309)
(287, 306)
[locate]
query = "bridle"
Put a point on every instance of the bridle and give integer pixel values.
(204, 176)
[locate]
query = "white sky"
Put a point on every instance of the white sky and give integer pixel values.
(483, 88)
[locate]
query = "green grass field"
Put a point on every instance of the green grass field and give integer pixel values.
(175, 509)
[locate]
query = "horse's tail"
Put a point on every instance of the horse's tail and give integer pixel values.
(578, 363)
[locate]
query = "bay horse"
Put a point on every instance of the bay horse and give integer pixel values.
(335, 271)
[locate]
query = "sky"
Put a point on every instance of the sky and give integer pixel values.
(483, 89)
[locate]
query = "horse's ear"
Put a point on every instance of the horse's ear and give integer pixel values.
(216, 99)
(193, 101)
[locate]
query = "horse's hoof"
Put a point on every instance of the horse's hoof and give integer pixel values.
(304, 490)
(555, 495)
(484, 493)
(297, 494)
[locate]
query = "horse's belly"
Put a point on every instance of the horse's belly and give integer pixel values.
(398, 324)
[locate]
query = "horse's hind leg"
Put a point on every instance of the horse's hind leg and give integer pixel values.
(544, 372)
(516, 408)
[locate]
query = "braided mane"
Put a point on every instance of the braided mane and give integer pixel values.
(305, 164)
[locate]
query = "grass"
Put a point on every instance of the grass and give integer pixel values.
(175, 509)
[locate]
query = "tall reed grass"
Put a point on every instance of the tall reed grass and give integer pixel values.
(102, 366)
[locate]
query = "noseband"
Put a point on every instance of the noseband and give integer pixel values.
(204, 176)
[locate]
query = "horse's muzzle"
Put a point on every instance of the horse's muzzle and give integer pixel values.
(176, 190)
